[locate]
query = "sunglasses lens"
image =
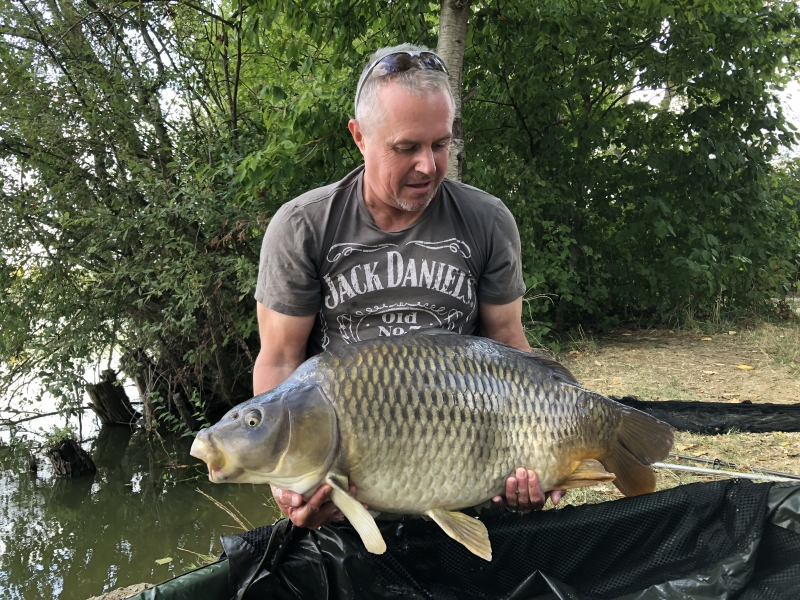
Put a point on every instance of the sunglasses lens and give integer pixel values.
(397, 63)
(394, 63)
(431, 61)
(403, 61)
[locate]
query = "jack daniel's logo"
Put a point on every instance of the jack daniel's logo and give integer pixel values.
(388, 268)
(396, 271)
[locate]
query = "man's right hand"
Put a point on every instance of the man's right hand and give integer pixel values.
(318, 511)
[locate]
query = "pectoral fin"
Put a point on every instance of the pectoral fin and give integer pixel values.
(589, 472)
(355, 512)
(465, 530)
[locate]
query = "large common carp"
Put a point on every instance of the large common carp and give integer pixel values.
(427, 424)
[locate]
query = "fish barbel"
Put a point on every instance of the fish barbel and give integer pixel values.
(399, 417)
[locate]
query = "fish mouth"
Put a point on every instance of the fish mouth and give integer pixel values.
(223, 475)
(206, 450)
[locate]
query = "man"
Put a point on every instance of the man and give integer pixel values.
(391, 248)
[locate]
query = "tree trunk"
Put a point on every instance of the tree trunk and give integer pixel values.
(139, 367)
(110, 401)
(185, 411)
(669, 94)
(452, 43)
(70, 460)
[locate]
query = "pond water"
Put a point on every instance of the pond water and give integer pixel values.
(73, 539)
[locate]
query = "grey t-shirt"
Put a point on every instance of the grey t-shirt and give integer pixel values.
(324, 254)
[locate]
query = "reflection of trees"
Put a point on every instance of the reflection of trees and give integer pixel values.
(110, 446)
(75, 538)
(70, 493)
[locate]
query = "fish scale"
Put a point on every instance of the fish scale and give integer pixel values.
(477, 436)
(430, 423)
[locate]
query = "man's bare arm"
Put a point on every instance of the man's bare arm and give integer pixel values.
(503, 323)
(284, 340)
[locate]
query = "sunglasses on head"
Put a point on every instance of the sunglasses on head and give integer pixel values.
(400, 61)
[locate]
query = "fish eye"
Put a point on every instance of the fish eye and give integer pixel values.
(253, 418)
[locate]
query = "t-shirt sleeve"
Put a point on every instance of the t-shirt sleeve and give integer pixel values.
(287, 278)
(501, 281)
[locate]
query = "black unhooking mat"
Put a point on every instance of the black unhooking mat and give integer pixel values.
(709, 540)
(727, 539)
(711, 418)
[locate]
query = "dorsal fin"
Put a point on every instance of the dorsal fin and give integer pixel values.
(545, 360)
(551, 363)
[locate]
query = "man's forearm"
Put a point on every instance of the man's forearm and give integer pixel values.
(514, 338)
(284, 341)
(268, 374)
(503, 323)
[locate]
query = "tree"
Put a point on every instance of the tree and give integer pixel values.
(115, 238)
(627, 208)
(453, 21)
(143, 147)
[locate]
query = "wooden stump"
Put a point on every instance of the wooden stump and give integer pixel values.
(70, 460)
(110, 401)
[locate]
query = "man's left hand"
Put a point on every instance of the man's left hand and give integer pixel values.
(524, 494)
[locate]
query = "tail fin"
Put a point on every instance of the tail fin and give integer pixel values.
(641, 441)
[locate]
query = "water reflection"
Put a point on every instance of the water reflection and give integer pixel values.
(72, 539)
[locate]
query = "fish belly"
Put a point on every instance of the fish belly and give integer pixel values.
(435, 425)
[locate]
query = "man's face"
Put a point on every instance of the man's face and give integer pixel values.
(405, 155)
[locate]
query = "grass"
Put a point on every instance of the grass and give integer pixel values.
(241, 523)
(234, 513)
(776, 451)
(691, 364)
(202, 559)
(780, 342)
(684, 364)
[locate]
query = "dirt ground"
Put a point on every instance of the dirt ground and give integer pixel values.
(691, 365)
(760, 364)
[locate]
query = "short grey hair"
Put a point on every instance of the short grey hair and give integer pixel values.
(417, 82)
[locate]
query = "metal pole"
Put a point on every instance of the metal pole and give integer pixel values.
(720, 463)
(661, 465)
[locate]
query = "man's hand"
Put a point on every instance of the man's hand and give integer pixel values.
(315, 513)
(523, 493)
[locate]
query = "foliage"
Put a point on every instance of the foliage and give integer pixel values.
(627, 207)
(57, 435)
(113, 237)
(143, 146)
(784, 188)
